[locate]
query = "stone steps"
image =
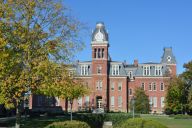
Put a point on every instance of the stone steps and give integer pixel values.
(98, 111)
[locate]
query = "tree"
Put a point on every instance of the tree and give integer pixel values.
(141, 102)
(38, 40)
(176, 93)
(187, 76)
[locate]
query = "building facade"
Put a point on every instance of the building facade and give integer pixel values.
(113, 82)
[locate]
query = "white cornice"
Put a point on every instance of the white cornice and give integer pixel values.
(115, 62)
(150, 77)
(84, 63)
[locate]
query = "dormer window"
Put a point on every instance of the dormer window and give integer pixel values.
(158, 71)
(146, 71)
(115, 70)
(168, 58)
(84, 70)
(130, 74)
(99, 69)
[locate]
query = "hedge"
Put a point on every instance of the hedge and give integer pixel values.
(95, 120)
(142, 123)
(69, 124)
(172, 115)
(190, 117)
(179, 116)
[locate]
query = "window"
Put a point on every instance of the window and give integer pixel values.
(150, 101)
(80, 101)
(112, 86)
(39, 100)
(130, 91)
(143, 86)
(87, 84)
(158, 71)
(150, 88)
(84, 70)
(162, 99)
(112, 101)
(101, 85)
(130, 75)
(97, 84)
(155, 101)
(99, 53)
(146, 71)
(162, 87)
(119, 101)
(119, 86)
(50, 101)
(57, 101)
(154, 86)
(103, 54)
(169, 58)
(95, 53)
(99, 69)
(115, 70)
(46, 101)
(87, 100)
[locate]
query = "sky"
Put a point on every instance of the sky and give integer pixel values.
(139, 29)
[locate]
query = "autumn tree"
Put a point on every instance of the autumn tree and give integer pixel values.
(38, 40)
(142, 101)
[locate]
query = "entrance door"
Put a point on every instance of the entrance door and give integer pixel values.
(99, 102)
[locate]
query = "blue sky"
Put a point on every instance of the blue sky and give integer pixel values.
(139, 29)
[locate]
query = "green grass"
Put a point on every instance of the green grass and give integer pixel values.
(172, 123)
(38, 122)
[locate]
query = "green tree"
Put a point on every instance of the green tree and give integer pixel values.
(187, 76)
(141, 102)
(38, 40)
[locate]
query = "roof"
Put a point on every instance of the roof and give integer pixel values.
(100, 28)
(168, 53)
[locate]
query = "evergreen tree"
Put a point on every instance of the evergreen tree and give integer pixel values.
(141, 102)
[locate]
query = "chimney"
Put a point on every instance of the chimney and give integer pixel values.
(124, 62)
(77, 62)
(135, 62)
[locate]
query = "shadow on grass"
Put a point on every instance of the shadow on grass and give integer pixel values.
(38, 122)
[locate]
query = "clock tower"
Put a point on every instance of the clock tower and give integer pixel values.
(100, 46)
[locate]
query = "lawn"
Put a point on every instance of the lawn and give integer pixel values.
(38, 122)
(172, 123)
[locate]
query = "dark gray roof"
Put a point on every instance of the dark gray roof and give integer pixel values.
(168, 52)
(130, 66)
(102, 30)
(121, 69)
(150, 63)
(78, 69)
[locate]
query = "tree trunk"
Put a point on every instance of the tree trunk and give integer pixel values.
(18, 115)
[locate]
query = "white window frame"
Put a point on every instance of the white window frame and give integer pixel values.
(100, 86)
(119, 101)
(143, 84)
(145, 70)
(99, 70)
(116, 68)
(112, 83)
(83, 69)
(130, 90)
(39, 100)
(119, 85)
(162, 104)
(158, 69)
(57, 101)
(130, 74)
(112, 101)
(162, 86)
(87, 101)
(154, 86)
(80, 102)
(150, 85)
(155, 101)
(150, 101)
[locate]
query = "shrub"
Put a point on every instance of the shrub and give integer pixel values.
(69, 124)
(172, 115)
(95, 120)
(190, 117)
(143, 123)
(179, 116)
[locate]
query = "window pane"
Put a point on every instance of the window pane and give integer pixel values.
(82, 70)
(39, 100)
(155, 101)
(130, 76)
(119, 86)
(112, 86)
(150, 86)
(97, 85)
(50, 101)
(162, 99)
(162, 87)
(130, 91)
(101, 85)
(87, 84)
(86, 70)
(80, 101)
(117, 70)
(103, 55)
(150, 101)
(154, 85)
(143, 86)
(114, 70)
(87, 100)
(99, 69)
(112, 101)
(119, 101)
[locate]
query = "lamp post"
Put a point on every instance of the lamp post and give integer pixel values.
(26, 104)
(71, 102)
(133, 102)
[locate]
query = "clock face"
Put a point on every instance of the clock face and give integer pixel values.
(99, 36)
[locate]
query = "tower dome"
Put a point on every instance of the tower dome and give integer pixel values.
(100, 34)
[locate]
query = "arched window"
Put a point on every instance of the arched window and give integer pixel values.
(95, 53)
(99, 53)
(99, 69)
(130, 75)
(103, 54)
(119, 101)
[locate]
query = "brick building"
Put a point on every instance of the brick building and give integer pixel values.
(114, 82)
